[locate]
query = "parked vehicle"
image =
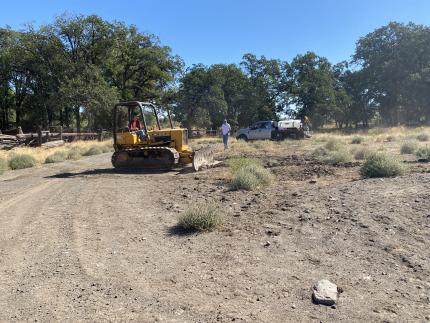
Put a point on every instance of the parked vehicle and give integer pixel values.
(274, 130)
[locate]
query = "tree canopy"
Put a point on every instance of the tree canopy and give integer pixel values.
(72, 71)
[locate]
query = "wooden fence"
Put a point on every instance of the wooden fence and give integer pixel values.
(47, 138)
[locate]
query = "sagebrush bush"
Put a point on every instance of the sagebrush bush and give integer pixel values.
(333, 144)
(93, 150)
(423, 137)
(56, 157)
(423, 154)
(240, 162)
(251, 177)
(202, 217)
(391, 138)
(408, 147)
(380, 164)
(361, 154)
(3, 165)
(357, 140)
(338, 157)
(21, 161)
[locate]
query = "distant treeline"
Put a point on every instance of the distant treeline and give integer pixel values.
(72, 71)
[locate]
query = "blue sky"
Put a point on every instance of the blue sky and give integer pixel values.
(222, 31)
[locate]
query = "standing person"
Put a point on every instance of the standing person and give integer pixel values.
(225, 129)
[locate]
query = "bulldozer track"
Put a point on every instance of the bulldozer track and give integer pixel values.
(145, 158)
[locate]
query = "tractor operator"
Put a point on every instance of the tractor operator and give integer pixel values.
(134, 123)
(135, 126)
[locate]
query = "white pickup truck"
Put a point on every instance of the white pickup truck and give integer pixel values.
(274, 130)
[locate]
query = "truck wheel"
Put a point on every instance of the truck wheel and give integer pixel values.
(242, 137)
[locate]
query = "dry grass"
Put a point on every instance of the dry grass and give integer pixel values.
(56, 157)
(408, 147)
(423, 154)
(381, 164)
(338, 157)
(357, 140)
(361, 153)
(202, 217)
(93, 150)
(21, 161)
(333, 144)
(423, 137)
(3, 165)
(249, 174)
(40, 155)
(242, 162)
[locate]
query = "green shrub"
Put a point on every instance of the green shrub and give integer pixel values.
(357, 140)
(93, 150)
(423, 137)
(423, 154)
(202, 217)
(333, 144)
(56, 157)
(21, 161)
(251, 177)
(361, 154)
(382, 165)
(408, 147)
(3, 165)
(240, 162)
(338, 157)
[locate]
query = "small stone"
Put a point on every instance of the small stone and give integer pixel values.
(267, 244)
(324, 292)
(293, 306)
(312, 181)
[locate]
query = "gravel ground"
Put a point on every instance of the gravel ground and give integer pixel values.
(80, 242)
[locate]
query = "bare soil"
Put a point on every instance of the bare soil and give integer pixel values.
(81, 242)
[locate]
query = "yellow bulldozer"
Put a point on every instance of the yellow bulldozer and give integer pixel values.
(138, 147)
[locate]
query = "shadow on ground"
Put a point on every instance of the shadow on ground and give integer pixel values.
(177, 230)
(112, 171)
(103, 171)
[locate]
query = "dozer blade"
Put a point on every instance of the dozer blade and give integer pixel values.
(204, 157)
(148, 158)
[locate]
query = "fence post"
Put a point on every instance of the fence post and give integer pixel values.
(100, 135)
(39, 136)
(47, 136)
(61, 132)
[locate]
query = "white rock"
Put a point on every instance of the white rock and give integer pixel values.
(325, 292)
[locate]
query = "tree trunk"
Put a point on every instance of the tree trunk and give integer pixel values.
(78, 120)
(61, 118)
(17, 116)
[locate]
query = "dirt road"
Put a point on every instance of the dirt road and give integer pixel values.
(79, 242)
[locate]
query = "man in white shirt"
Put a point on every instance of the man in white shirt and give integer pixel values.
(225, 129)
